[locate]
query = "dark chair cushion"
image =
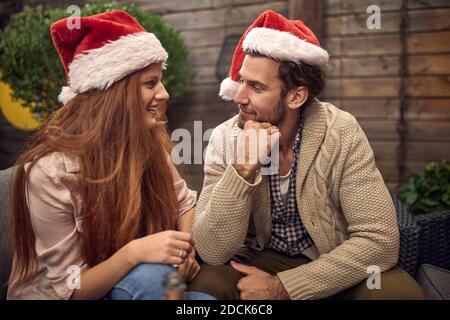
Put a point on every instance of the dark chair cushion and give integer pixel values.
(5, 249)
(434, 281)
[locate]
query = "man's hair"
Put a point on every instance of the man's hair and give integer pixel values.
(296, 74)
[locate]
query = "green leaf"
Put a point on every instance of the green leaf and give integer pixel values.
(429, 190)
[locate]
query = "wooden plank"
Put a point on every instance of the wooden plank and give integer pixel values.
(429, 109)
(420, 151)
(379, 87)
(204, 56)
(222, 17)
(429, 86)
(418, 109)
(203, 93)
(429, 64)
(172, 6)
(429, 42)
(418, 4)
(369, 108)
(211, 36)
(425, 86)
(418, 43)
(364, 66)
(418, 130)
(310, 12)
(420, 20)
(363, 45)
(389, 65)
(429, 19)
(206, 75)
(356, 24)
(335, 7)
(389, 169)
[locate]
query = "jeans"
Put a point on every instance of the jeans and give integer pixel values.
(145, 282)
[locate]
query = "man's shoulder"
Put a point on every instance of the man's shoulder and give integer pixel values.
(342, 120)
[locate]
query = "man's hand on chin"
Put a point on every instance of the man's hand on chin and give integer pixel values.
(259, 285)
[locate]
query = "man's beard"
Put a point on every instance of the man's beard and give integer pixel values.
(273, 118)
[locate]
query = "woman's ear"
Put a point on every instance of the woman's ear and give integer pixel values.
(297, 97)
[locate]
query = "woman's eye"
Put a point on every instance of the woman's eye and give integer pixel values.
(150, 84)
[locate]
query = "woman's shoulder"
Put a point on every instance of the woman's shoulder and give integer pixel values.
(55, 166)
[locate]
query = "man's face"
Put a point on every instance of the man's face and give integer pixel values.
(258, 97)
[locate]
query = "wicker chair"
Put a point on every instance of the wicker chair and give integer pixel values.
(424, 239)
(434, 240)
(409, 237)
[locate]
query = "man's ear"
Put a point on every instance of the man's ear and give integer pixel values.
(297, 97)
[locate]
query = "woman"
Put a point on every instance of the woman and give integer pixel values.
(99, 211)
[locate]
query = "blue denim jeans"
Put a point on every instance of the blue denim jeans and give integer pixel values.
(145, 282)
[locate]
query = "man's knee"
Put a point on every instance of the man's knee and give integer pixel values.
(395, 284)
(218, 281)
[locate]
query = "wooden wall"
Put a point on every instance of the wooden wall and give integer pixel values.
(204, 24)
(364, 77)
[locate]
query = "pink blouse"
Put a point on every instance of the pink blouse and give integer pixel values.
(55, 204)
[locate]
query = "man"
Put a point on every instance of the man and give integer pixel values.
(322, 223)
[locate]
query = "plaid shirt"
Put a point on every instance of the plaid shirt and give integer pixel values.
(289, 235)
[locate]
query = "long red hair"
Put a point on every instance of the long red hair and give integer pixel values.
(125, 179)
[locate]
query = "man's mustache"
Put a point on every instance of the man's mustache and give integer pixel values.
(241, 107)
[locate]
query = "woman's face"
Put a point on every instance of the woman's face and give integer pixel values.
(153, 93)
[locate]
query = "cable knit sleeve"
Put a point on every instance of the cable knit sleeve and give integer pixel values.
(372, 226)
(223, 211)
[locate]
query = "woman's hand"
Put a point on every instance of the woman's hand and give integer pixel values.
(168, 247)
(189, 268)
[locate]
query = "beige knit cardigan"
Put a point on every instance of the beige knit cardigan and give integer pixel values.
(342, 199)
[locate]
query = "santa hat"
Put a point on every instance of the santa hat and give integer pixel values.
(104, 49)
(276, 37)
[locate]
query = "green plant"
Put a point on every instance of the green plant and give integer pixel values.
(31, 66)
(428, 191)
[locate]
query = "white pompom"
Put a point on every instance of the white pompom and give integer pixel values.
(66, 94)
(228, 89)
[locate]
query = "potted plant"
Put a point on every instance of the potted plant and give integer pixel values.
(427, 197)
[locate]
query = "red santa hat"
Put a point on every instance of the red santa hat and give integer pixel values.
(104, 49)
(276, 37)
